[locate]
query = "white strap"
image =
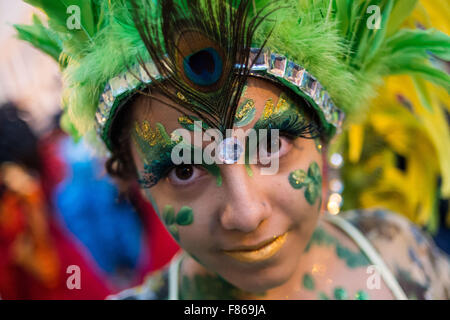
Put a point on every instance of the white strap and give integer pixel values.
(173, 276)
(371, 253)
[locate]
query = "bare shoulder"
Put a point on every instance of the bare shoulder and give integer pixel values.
(420, 267)
(154, 287)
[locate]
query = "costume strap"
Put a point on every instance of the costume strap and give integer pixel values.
(173, 276)
(371, 253)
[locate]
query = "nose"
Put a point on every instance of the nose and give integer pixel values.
(246, 204)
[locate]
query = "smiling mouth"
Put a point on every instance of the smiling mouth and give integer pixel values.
(263, 252)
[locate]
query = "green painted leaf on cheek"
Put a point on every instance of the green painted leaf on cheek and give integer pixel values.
(173, 229)
(168, 215)
(311, 193)
(297, 179)
(185, 216)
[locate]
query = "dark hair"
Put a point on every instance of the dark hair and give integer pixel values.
(18, 143)
(121, 164)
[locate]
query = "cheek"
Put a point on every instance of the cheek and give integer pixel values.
(300, 186)
(187, 221)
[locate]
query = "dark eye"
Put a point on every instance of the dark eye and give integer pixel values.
(184, 174)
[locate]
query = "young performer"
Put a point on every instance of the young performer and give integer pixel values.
(222, 111)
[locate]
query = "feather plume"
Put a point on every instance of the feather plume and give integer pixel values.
(202, 49)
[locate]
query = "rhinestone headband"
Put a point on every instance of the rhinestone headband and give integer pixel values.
(269, 65)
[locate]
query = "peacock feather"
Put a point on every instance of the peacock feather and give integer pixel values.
(202, 49)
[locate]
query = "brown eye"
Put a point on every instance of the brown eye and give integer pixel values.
(184, 172)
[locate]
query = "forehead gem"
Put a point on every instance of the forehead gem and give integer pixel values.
(230, 150)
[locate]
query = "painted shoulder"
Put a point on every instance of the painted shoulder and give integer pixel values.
(154, 287)
(420, 267)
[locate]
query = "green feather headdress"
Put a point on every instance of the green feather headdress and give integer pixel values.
(322, 50)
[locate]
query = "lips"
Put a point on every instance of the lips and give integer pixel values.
(259, 252)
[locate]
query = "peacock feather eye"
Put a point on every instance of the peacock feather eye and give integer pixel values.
(200, 61)
(203, 67)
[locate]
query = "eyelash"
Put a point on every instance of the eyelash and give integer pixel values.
(291, 126)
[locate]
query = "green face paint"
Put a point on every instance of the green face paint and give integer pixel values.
(318, 144)
(308, 282)
(352, 259)
(154, 147)
(311, 181)
(184, 217)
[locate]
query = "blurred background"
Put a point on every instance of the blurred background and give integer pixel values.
(57, 205)
(59, 208)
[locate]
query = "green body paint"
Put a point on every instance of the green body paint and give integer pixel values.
(340, 293)
(362, 295)
(210, 287)
(351, 258)
(311, 181)
(308, 282)
(323, 296)
(184, 217)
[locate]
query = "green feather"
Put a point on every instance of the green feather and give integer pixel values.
(40, 37)
(401, 10)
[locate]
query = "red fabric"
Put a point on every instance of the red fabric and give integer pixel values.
(162, 246)
(16, 283)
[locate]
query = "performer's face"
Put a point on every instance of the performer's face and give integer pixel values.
(248, 227)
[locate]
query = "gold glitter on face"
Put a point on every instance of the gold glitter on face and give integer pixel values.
(249, 105)
(150, 135)
(270, 108)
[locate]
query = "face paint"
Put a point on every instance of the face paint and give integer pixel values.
(184, 217)
(188, 123)
(245, 113)
(154, 147)
(340, 293)
(351, 258)
(311, 181)
(361, 295)
(308, 282)
(323, 296)
(318, 144)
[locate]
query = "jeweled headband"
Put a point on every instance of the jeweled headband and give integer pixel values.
(268, 65)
